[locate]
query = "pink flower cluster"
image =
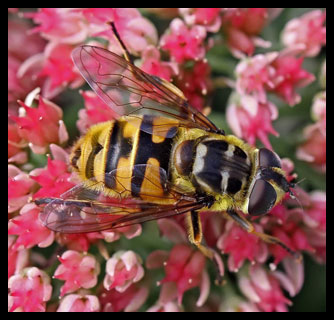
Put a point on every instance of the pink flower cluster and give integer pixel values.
(97, 273)
(278, 73)
(313, 148)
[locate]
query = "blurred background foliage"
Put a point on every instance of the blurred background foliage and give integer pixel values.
(290, 125)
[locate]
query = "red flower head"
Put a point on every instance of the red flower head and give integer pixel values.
(20, 188)
(79, 303)
(15, 145)
(254, 75)
(195, 83)
(184, 43)
(95, 111)
(59, 70)
(152, 64)
(250, 119)
(185, 268)
(22, 47)
(123, 269)
(306, 33)
(135, 31)
(293, 236)
(241, 26)
(313, 149)
(17, 259)
(207, 17)
(41, 126)
(54, 180)
(60, 24)
(78, 270)
(29, 290)
(289, 75)
(129, 301)
(29, 229)
(263, 289)
(240, 246)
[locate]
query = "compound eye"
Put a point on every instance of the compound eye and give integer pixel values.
(269, 158)
(262, 198)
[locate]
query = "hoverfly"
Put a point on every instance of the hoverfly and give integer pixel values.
(160, 158)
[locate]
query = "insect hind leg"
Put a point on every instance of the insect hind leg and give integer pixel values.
(195, 235)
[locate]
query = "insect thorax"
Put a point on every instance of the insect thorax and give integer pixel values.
(218, 165)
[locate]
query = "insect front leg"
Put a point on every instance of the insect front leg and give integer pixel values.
(248, 226)
(195, 235)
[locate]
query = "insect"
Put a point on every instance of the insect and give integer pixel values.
(159, 159)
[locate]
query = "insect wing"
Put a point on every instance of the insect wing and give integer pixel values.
(82, 210)
(74, 216)
(130, 91)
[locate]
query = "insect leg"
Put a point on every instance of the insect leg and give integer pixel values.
(246, 225)
(195, 235)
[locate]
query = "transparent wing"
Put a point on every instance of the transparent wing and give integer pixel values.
(73, 216)
(141, 196)
(130, 91)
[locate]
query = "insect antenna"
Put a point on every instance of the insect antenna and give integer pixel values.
(293, 192)
(126, 52)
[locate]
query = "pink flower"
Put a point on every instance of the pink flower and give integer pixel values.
(135, 31)
(20, 188)
(319, 109)
(79, 270)
(129, 301)
(95, 111)
(79, 303)
(241, 26)
(254, 75)
(21, 47)
(263, 289)
(78, 241)
(59, 70)
(306, 33)
(17, 259)
(41, 126)
(129, 232)
(314, 218)
(240, 245)
(54, 180)
(195, 83)
(313, 149)
(123, 269)
(289, 75)
(184, 43)
(315, 215)
(207, 17)
(250, 119)
(167, 307)
(292, 277)
(29, 229)
(184, 268)
(293, 236)
(60, 24)
(15, 145)
(152, 64)
(29, 290)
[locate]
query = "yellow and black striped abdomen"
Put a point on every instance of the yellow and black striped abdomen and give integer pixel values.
(127, 158)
